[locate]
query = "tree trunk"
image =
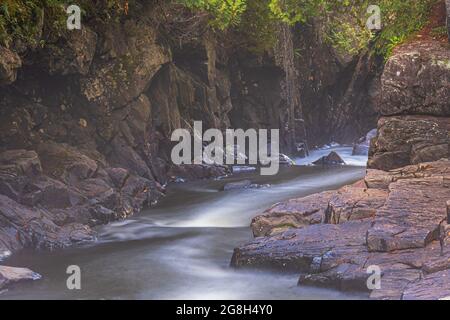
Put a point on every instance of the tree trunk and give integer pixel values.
(447, 4)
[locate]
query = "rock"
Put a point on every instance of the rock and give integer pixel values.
(401, 228)
(197, 172)
(377, 179)
(412, 215)
(10, 275)
(285, 160)
(137, 57)
(435, 286)
(415, 80)
(361, 148)
(354, 203)
(237, 185)
(62, 161)
(295, 213)
(73, 53)
(4, 254)
(332, 159)
(347, 204)
(20, 162)
(409, 140)
(21, 226)
(9, 63)
(316, 248)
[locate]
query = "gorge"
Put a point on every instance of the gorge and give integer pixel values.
(86, 176)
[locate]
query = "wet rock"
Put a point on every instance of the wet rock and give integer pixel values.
(415, 80)
(350, 203)
(332, 159)
(237, 185)
(9, 63)
(316, 248)
(197, 172)
(285, 160)
(4, 254)
(361, 148)
(21, 226)
(295, 213)
(11, 275)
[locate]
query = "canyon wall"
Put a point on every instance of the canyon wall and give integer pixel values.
(86, 116)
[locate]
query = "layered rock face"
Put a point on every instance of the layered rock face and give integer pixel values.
(415, 108)
(85, 128)
(396, 220)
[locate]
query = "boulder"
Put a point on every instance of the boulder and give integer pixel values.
(294, 213)
(285, 160)
(316, 248)
(21, 226)
(11, 275)
(350, 203)
(331, 159)
(197, 172)
(10, 62)
(415, 80)
(237, 185)
(406, 140)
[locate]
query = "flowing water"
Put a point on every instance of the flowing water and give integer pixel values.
(182, 248)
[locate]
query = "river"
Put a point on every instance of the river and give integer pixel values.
(181, 249)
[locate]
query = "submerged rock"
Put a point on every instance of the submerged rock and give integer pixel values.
(245, 184)
(331, 159)
(237, 185)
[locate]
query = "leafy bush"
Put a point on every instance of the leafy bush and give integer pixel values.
(23, 20)
(256, 20)
(344, 21)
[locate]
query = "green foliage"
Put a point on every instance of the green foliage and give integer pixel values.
(401, 20)
(225, 13)
(24, 20)
(343, 22)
